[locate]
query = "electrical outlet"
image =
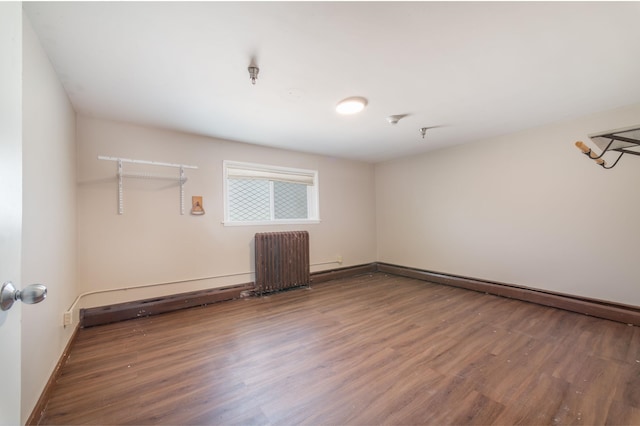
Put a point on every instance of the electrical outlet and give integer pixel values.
(68, 318)
(339, 259)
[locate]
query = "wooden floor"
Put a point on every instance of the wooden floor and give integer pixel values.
(374, 349)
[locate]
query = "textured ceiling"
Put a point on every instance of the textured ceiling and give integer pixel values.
(475, 69)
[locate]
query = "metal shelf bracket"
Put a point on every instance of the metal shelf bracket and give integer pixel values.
(181, 178)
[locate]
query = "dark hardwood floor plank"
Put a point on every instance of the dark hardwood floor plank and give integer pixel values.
(374, 349)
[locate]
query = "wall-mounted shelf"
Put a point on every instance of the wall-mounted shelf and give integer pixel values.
(121, 174)
(622, 141)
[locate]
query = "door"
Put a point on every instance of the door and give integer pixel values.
(11, 205)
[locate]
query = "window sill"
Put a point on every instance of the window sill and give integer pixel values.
(274, 222)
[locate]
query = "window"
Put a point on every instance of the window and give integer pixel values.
(256, 194)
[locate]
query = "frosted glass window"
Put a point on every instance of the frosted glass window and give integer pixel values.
(290, 200)
(259, 194)
(249, 200)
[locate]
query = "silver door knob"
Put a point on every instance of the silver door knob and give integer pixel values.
(33, 293)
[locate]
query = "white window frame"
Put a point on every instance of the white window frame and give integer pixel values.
(271, 173)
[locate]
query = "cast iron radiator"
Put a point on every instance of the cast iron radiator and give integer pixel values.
(282, 260)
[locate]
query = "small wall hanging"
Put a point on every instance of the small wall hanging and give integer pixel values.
(197, 207)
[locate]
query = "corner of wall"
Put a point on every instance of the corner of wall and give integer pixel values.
(49, 216)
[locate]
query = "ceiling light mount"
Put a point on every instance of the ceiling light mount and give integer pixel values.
(253, 73)
(423, 130)
(352, 105)
(393, 119)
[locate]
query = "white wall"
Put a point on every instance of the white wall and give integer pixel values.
(49, 216)
(152, 243)
(525, 209)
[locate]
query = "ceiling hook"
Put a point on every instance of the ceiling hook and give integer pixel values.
(253, 73)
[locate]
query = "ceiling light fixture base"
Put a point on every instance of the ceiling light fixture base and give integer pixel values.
(253, 74)
(393, 119)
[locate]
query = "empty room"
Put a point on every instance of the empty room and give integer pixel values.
(322, 213)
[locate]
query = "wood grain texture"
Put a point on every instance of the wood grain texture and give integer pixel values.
(599, 308)
(38, 410)
(374, 349)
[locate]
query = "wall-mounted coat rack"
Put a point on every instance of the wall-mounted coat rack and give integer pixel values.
(623, 141)
(121, 174)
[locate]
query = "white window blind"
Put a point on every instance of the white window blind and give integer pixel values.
(259, 173)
